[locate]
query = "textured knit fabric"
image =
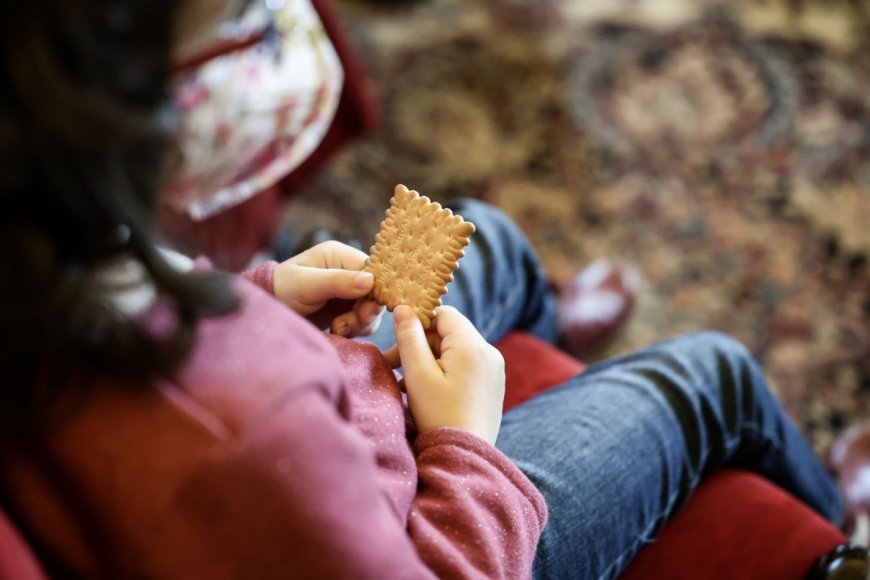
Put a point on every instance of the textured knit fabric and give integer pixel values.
(271, 454)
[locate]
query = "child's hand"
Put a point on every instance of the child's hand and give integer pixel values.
(461, 385)
(326, 284)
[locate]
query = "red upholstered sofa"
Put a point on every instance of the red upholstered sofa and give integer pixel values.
(736, 525)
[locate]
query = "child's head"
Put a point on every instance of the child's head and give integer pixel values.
(85, 121)
(84, 113)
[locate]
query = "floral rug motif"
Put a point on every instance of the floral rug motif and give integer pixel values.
(721, 149)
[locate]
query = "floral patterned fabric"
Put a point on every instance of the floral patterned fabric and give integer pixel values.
(248, 118)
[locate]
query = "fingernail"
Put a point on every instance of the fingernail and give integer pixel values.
(363, 280)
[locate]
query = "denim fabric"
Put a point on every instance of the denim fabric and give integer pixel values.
(617, 450)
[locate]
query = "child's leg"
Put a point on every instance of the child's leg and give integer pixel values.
(500, 285)
(618, 449)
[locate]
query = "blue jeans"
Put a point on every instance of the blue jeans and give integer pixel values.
(617, 450)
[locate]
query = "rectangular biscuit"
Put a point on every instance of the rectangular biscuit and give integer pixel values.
(415, 253)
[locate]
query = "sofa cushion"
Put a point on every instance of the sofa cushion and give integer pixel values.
(533, 366)
(737, 525)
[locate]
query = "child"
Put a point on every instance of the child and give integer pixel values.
(164, 420)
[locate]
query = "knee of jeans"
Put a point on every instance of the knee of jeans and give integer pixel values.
(721, 344)
(466, 204)
(480, 212)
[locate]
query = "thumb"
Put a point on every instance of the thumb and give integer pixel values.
(314, 286)
(416, 356)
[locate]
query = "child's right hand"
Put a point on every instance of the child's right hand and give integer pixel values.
(328, 285)
(461, 383)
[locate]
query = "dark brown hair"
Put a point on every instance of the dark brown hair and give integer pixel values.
(85, 121)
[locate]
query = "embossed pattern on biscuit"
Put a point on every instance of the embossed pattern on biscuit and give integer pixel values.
(415, 253)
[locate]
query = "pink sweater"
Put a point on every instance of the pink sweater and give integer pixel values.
(275, 452)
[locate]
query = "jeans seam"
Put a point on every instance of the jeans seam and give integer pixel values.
(642, 540)
(671, 498)
(753, 431)
(749, 429)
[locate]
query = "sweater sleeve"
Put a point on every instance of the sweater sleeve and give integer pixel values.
(262, 275)
(475, 514)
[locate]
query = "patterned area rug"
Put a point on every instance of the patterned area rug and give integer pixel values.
(723, 150)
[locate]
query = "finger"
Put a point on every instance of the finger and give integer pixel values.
(314, 286)
(392, 353)
(455, 332)
(345, 325)
(434, 343)
(414, 352)
(449, 321)
(368, 311)
(362, 320)
(349, 326)
(371, 327)
(332, 254)
(392, 356)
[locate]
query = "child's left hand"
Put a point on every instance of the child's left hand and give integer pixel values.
(326, 284)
